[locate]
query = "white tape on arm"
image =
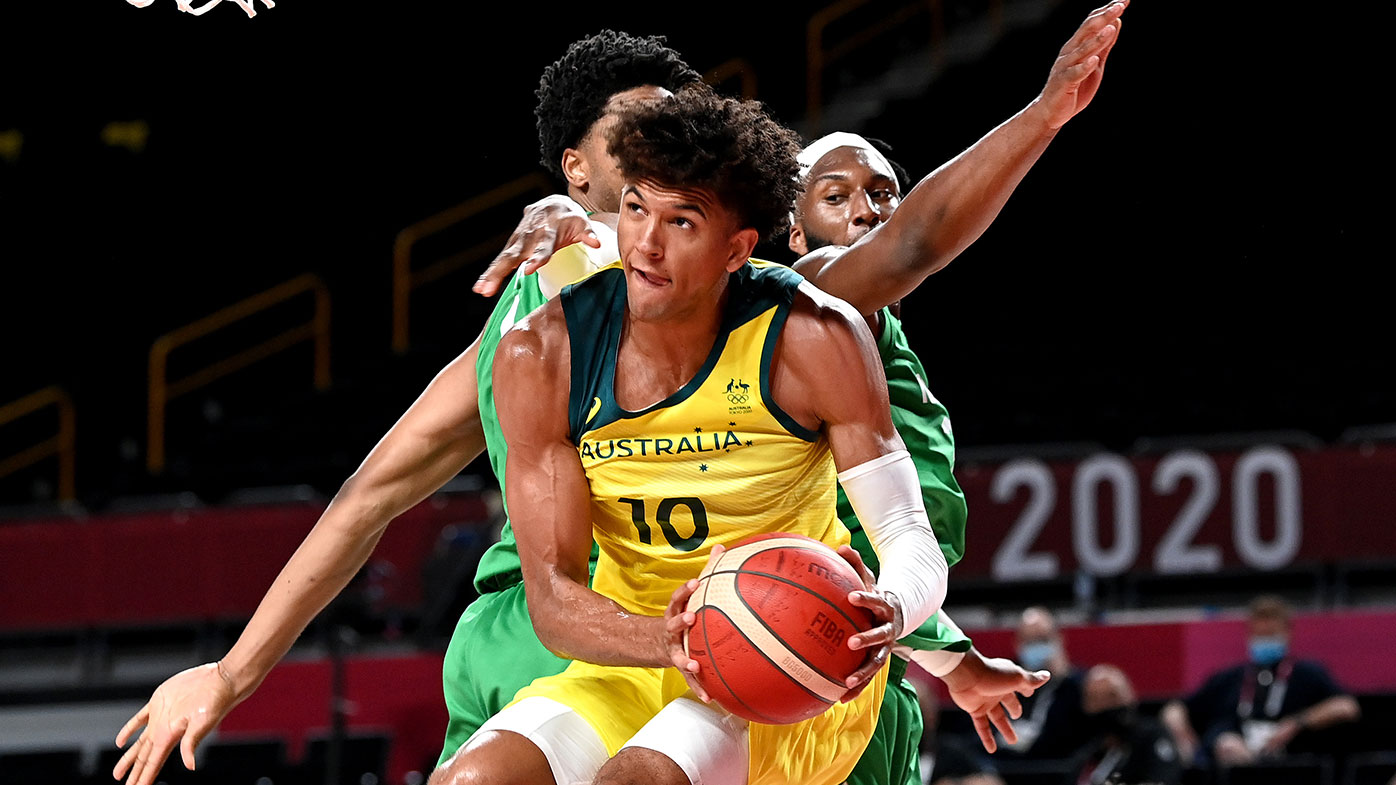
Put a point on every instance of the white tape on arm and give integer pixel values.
(886, 496)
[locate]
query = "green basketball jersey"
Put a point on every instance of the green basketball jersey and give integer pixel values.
(499, 567)
(924, 425)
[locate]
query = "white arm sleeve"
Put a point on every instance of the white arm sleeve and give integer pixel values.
(886, 496)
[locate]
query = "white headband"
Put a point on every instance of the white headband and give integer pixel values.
(823, 145)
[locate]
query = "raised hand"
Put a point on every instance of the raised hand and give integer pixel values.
(182, 711)
(1080, 66)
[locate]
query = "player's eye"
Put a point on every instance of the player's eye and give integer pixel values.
(883, 194)
(835, 198)
(682, 223)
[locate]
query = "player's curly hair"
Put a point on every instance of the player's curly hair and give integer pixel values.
(698, 139)
(573, 91)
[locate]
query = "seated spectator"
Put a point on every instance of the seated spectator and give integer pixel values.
(1268, 706)
(1126, 748)
(947, 760)
(1052, 726)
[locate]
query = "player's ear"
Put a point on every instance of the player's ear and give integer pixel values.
(797, 239)
(743, 243)
(575, 168)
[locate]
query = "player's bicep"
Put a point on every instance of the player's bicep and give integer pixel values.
(546, 492)
(851, 404)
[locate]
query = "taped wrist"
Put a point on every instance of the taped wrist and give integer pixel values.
(886, 496)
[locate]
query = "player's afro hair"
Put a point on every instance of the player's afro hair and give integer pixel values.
(698, 139)
(573, 91)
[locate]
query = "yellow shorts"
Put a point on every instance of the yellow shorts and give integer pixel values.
(617, 702)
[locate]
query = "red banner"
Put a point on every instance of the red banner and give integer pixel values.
(1185, 512)
(186, 565)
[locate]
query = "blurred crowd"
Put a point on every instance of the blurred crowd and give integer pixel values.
(1086, 726)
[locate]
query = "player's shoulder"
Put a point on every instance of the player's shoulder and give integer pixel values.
(539, 338)
(816, 314)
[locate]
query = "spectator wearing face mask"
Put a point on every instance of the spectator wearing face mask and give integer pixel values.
(1268, 706)
(1126, 748)
(1052, 726)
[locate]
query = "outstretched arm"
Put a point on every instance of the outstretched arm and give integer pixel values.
(952, 206)
(550, 505)
(430, 444)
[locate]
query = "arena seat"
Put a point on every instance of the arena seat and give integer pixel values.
(1296, 770)
(1373, 768)
(62, 767)
(363, 761)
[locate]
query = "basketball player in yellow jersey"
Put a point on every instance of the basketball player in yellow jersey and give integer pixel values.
(709, 399)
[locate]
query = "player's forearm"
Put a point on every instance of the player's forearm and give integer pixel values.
(576, 623)
(953, 206)
(321, 567)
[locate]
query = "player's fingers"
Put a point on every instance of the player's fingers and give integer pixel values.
(876, 659)
(132, 725)
(160, 750)
(1110, 45)
(1092, 46)
(544, 246)
(1000, 721)
(854, 558)
(695, 686)
(986, 735)
(1012, 706)
(193, 737)
(499, 269)
(1032, 681)
(142, 756)
(881, 609)
(881, 635)
(1089, 27)
(124, 764)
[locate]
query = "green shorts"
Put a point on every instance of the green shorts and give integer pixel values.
(893, 755)
(493, 654)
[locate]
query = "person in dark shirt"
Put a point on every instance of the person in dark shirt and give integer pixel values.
(1052, 726)
(1268, 706)
(1126, 748)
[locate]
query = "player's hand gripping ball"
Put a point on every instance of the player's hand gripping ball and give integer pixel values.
(772, 628)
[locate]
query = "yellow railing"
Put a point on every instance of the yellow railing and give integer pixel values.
(162, 390)
(819, 55)
(61, 445)
(737, 68)
(405, 279)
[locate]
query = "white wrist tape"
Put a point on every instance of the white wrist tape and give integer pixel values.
(886, 496)
(937, 663)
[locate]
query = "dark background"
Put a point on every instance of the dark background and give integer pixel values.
(1195, 254)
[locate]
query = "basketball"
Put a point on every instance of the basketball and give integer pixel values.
(772, 628)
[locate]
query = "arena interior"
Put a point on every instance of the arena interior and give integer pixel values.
(237, 247)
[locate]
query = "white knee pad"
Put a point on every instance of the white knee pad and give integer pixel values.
(709, 744)
(574, 751)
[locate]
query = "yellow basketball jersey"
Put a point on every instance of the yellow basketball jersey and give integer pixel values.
(716, 462)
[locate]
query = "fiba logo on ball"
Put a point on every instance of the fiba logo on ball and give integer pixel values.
(772, 626)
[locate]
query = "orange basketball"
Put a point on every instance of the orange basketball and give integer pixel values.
(771, 637)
